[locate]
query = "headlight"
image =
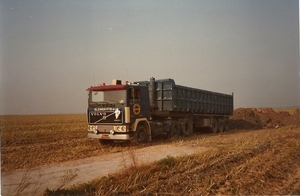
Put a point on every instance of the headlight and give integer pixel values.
(93, 128)
(120, 128)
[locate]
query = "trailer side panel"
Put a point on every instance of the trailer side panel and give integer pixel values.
(167, 96)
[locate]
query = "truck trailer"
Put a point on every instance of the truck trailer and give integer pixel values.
(140, 110)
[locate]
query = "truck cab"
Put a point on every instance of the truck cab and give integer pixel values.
(118, 112)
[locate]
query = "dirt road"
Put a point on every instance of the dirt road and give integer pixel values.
(36, 181)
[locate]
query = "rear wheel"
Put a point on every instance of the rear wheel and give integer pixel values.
(221, 126)
(226, 125)
(186, 127)
(215, 126)
(174, 130)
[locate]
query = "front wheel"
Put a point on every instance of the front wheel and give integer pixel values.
(141, 135)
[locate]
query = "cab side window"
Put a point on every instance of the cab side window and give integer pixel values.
(134, 95)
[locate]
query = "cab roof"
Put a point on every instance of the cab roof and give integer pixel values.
(107, 88)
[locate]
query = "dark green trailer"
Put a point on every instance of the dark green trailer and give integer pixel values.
(166, 97)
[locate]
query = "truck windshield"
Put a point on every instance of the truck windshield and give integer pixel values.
(108, 96)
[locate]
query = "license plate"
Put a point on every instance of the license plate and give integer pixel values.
(105, 137)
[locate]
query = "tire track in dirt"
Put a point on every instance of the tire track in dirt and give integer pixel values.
(36, 181)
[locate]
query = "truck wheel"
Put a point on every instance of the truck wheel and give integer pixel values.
(226, 125)
(186, 127)
(105, 142)
(174, 130)
(141, 134)
(221, 126)
(214, 126)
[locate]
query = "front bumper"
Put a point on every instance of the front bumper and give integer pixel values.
(109, 136)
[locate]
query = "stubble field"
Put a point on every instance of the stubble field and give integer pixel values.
(260, 155)
(30, 141)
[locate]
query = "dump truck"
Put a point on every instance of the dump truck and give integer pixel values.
(138, 111)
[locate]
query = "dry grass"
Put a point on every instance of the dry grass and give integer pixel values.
(255, 162)
(31, 141)
(130, 157)
(28, 183)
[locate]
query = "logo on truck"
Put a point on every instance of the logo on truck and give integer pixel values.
(136, 109)
(104, 117)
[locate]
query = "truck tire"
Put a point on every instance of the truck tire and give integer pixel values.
(221, 126)
(186, 127)
(226, 125)
(214, 125)
(174, 130)
(141, 135)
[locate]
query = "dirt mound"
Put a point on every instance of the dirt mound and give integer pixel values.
(253, 118)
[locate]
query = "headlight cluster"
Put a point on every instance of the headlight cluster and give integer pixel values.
(93, 128)
(120, 128)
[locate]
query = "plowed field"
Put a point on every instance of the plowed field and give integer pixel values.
(259, 155)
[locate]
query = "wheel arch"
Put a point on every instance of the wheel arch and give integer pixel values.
(144, 122)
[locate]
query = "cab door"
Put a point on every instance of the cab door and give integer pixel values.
(139, 102)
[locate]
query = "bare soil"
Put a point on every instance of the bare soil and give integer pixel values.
(253, 118)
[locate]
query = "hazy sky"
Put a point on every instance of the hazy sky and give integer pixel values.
(52, 51)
